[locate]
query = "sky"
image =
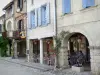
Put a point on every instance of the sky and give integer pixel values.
(2, 4)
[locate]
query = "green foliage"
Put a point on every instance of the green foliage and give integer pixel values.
(4, 26)
(58, 39)
(3, 46)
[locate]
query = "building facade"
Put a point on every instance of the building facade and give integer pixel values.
(80, 18)
(2, 21)
(9, 24)
(40, 31)
(20, 23)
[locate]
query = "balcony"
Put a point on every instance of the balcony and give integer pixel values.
(4, 34)
(19, 34)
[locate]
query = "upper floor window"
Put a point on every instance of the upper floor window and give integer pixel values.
(9, 26)
(20, 4)
(88, 3)
(32, 19)
(9, 12)
(66, 6)
(32, 2)
(44, 15)
(20, 25)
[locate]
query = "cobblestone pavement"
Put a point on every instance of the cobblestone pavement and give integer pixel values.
(10, 68)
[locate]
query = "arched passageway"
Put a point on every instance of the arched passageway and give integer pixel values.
(77, 48)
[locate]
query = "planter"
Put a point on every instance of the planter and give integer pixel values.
(77, 69)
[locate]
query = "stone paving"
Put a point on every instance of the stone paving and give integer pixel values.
(10, 66)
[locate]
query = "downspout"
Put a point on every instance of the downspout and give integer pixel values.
(55, 32)
(55, 19)
(27, 41)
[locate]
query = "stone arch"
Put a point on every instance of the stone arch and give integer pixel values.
(81, 31)
(9, 26)
(64, 48)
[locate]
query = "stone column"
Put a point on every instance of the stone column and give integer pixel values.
(41, 51)
(27, 50)
(95, 59)
(63, 57)
(15, 49)
(30, 51)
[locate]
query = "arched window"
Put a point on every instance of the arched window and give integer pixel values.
(21, 25)
(9, 26)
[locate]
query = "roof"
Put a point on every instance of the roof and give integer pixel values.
(2, 16)
(8, 5)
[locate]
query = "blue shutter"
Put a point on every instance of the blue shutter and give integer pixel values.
(48, 13)
(42, 15)
(66, 6)
(36, 17)
(39, 16)
(29, 20)
(43, 11)
(32, 19)
(84, 3)
(90, 3)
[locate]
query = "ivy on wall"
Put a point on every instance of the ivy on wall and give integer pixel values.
(3, 46)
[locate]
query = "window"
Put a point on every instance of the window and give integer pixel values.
(32, 19)
(20, 4)
(66, 6)
(44, 15)
(20, 25)
(88, 3)
(32, 2)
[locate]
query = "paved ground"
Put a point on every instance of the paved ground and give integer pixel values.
(11, 68)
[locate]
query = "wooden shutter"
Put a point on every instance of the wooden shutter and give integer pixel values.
(90, 3)
(36, 17)
(48, 13)
(29, 20)
(66, 6)
(33, 19)
(39, 16)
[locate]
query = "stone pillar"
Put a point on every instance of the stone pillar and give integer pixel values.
(41, 51)
(63, 57)
(15, 49)
(95, 59)
(27, 50)
(30, 57)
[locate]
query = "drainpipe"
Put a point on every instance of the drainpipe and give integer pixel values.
(55, 19)
(55, 32)
(27, 40)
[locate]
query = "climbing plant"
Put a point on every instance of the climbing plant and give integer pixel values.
(3, 46)
(58, 40)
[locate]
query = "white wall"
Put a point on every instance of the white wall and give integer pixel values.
(85, 21)
(43, 31)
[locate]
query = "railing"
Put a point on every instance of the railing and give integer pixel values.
(18, 34)
(4, 34)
